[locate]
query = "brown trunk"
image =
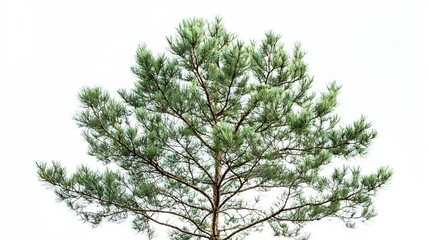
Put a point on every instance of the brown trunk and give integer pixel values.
(216, 199)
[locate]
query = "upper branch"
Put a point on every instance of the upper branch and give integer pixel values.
(201, 80)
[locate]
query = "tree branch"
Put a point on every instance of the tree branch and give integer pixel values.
(158, 168)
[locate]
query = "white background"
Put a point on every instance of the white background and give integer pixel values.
(49, 49)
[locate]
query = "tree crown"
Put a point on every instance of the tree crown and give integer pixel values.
(211, 129)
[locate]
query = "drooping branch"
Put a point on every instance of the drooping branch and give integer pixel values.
(138, 210)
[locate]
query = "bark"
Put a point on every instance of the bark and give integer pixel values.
(216, 199)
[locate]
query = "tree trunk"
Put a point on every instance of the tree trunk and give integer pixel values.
(216, 199)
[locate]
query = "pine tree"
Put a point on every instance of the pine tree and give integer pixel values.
(217, 139)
